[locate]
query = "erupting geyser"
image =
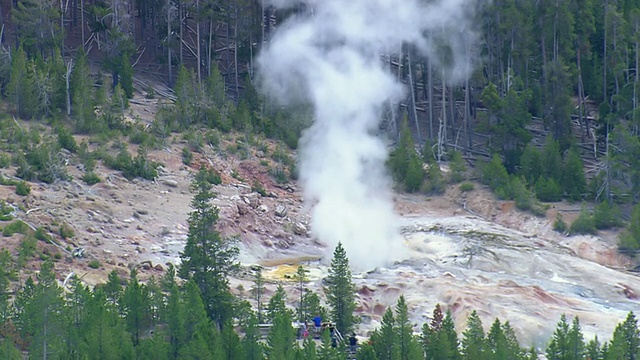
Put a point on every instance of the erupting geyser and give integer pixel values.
(330, 56)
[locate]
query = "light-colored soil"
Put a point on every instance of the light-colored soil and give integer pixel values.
(466, 250)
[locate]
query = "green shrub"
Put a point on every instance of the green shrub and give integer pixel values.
(27, 249)
(434, 182)
(278, 174)
(531, 164)
(94, 263)
(494, 174)
(5, 209)
(630, 238)
(187, 156)
(211, 176)
(42, 235)
(5, 160)
(628, 243)
(195, 140)
(91, 178)
(457, 167)
(605, 216)
(132, 168)
(414, 176)
(257, 187)
(548, 190)
(66, 231)
(584, 224)
(138, 135)
(573, 181)
(466, 187)
(213, 138)
(150, 92)
(281, 156)
(16, 227)
(559, 225)
(522, 196)
(66, 139)
(22, 188)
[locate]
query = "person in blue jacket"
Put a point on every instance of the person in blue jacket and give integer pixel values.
(317, 322)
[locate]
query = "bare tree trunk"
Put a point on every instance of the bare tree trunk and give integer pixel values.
(235, 53)
(452, 112)
(181, 13)
(228, 45)
(414, 113)
(44, 342)
(430, 98)
(442, 141)
(604, 56)
(198, 41)
(169, 42)
(636, 130)
(583, 125)
(467, 100)
(67, 77)
(82, 22)
(61, 27)
(210, 48)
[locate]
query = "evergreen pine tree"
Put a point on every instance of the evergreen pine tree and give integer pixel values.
(231, 346)
(626, 340)
(126, 77)
(21, 88)
(473, 341)
(531, 164)
(341, 291)
(559, 348)
(496, 342)
(551, 160)
(176, 329)
(576, 341)
(9, 351)
(251, 344)
(573, 181)
(208, 259)
(113, 289)
(277, 304)
(328, 350)
(308, 351)
(257, 290)
(45, 311)
(450, 337)
(301, 279)
(134, 305)
(153, 348)
(408, 347)
(385, 339)
(282, 337)
(81, 102)
(594, 349)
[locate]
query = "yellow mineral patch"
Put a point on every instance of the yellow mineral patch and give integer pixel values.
(287, 272)
(281, 273)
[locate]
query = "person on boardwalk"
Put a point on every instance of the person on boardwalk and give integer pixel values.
(353, 343)
(317, 322)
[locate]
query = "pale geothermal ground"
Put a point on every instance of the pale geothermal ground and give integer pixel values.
(466, 251)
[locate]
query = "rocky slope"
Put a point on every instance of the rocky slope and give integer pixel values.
(464, 250)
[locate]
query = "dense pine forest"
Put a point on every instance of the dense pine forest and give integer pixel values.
(550, 113)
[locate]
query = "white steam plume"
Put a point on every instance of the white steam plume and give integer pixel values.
(330, 57)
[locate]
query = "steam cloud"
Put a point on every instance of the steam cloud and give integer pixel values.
(330, 57)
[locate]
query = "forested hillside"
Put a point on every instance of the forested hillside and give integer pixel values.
(549, 113)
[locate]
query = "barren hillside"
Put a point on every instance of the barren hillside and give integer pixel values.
(466, 250)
